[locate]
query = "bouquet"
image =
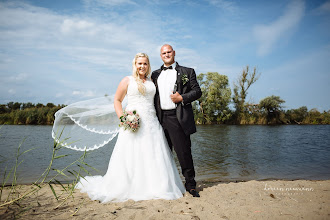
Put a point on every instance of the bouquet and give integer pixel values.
(130, 120)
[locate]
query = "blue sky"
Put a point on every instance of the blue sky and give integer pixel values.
(66, 51)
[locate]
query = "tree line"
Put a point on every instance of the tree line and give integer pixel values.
(214, 105)
(219, 104)
(17, 113)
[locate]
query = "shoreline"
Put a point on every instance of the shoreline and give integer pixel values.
(206, 182)
(253, 199)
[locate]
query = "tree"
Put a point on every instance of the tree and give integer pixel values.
(212, 107)
(27, 105)
(17, 105)
(10, 106)
(314, 117)
(13, 106)
(39, 105)
(272, 105)
(3, 109)
(297, 115)
(241, 87)
(50, 105)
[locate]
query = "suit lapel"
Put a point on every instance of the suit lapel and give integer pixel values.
(156, 77)
(178, 78)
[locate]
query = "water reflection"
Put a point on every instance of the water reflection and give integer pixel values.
(210, 150)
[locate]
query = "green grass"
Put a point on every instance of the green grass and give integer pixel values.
(48, 178)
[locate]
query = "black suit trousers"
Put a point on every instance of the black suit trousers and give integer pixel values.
(182, 145)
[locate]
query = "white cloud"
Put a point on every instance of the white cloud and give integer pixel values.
(67, 35)
(224, 5)
(11, 91)
(24, 26)
(4, 59)
(187, 37)
(325, 7)
(108, 3)
(19, 77)
(58, 95)
(70, 26)
(86, 94)
(268, 35)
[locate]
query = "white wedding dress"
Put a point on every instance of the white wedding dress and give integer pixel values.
(141, 166)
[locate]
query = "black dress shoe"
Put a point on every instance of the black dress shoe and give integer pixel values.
(194, 193)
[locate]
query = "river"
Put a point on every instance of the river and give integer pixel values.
(220, 152)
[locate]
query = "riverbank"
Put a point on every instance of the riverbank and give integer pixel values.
(278, 199)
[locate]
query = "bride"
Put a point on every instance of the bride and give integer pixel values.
(141, 166)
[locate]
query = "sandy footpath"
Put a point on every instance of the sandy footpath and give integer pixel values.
(299, 199)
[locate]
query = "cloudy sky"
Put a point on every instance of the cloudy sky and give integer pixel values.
(65, 51)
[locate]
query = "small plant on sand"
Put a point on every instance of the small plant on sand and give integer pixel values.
(48, 178)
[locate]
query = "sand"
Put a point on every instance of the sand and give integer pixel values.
(278, 199)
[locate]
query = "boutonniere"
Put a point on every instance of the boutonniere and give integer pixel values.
(184, 79)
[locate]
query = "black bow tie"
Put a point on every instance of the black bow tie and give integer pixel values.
(166, 68)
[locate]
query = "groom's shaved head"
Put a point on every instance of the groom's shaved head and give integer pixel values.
(166, 45)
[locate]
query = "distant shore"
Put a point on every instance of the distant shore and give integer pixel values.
(39, 114)
(271, 199)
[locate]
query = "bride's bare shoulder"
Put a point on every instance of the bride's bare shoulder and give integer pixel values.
(125, 80)
(124, 83)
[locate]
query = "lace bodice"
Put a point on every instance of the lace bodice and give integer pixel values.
(143, 104)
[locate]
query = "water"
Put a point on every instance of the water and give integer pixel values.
(263, 152)
(220, 152)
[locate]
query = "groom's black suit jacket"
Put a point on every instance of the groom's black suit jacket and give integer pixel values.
(190, 92)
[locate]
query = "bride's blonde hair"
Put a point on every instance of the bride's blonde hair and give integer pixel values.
(141, 87)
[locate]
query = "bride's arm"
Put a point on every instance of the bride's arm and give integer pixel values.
(120, 95)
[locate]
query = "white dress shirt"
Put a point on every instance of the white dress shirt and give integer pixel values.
(166, 82)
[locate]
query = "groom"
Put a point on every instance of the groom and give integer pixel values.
(176, 88)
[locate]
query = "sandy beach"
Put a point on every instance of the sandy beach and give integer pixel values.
(278, 199)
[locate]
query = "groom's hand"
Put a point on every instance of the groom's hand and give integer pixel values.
(176, 97)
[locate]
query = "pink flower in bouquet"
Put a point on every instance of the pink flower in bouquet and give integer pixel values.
(130, 120)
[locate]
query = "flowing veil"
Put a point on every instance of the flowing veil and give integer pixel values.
(86, 125)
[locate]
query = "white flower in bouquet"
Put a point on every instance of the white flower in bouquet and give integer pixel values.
(130, 120)
(130, 117)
